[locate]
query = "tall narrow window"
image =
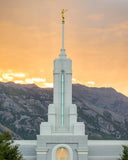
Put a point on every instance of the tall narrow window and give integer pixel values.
(62, 154)
(62, 97)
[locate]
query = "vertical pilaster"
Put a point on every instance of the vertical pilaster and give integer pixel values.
(82, 153)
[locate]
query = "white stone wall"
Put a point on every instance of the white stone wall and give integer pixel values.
(105, 149)
(27, 148)
(97, 149)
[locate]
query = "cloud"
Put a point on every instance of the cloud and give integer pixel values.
(34, 80)
(11, 76)
(19, 75)
(48, 85)
(74, 80)
(7, 76)
(19, 81)
(90, 82)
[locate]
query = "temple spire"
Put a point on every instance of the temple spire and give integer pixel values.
(62, 54)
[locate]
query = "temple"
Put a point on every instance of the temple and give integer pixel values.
(62, 131)
(62, 137)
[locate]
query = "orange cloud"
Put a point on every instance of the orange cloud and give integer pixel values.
(19, 82)
(90, 82)
(11, 76)
(19, 75)
(74, 80)
(7, 76)
(48, 85)
(34, 80)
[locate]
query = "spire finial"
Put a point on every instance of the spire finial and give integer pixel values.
(63, 15)
(62, 54)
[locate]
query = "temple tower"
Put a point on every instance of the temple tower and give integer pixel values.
(62, 137)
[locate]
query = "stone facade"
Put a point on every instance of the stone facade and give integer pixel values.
(97, 149)
(48, 145)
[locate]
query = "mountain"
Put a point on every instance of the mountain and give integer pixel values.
(23, 107)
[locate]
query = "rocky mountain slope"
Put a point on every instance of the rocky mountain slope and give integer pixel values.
(23, 107)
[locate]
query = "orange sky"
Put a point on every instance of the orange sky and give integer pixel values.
(96, 39)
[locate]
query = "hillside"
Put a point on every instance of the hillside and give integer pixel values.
(23, 107)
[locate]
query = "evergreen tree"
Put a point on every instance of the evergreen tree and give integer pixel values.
(8, 151)
(124, 155)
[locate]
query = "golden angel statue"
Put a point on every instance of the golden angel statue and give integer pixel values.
(63, 14)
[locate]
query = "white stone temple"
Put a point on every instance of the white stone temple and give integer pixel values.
(62, 137)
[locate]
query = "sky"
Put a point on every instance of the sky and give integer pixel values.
(96, 39)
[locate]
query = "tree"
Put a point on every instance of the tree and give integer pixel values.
(124, 155)
(8, 151)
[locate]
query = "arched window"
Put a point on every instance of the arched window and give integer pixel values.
(62, 154)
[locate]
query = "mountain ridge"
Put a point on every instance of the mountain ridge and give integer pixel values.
(103, 110)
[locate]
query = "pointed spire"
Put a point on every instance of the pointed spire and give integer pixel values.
(62, 54)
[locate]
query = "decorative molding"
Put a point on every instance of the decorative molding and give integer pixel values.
(30, 157)
(104, 157)
(26, 142)
(42, 150)
(82, 150)
(107, 142)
